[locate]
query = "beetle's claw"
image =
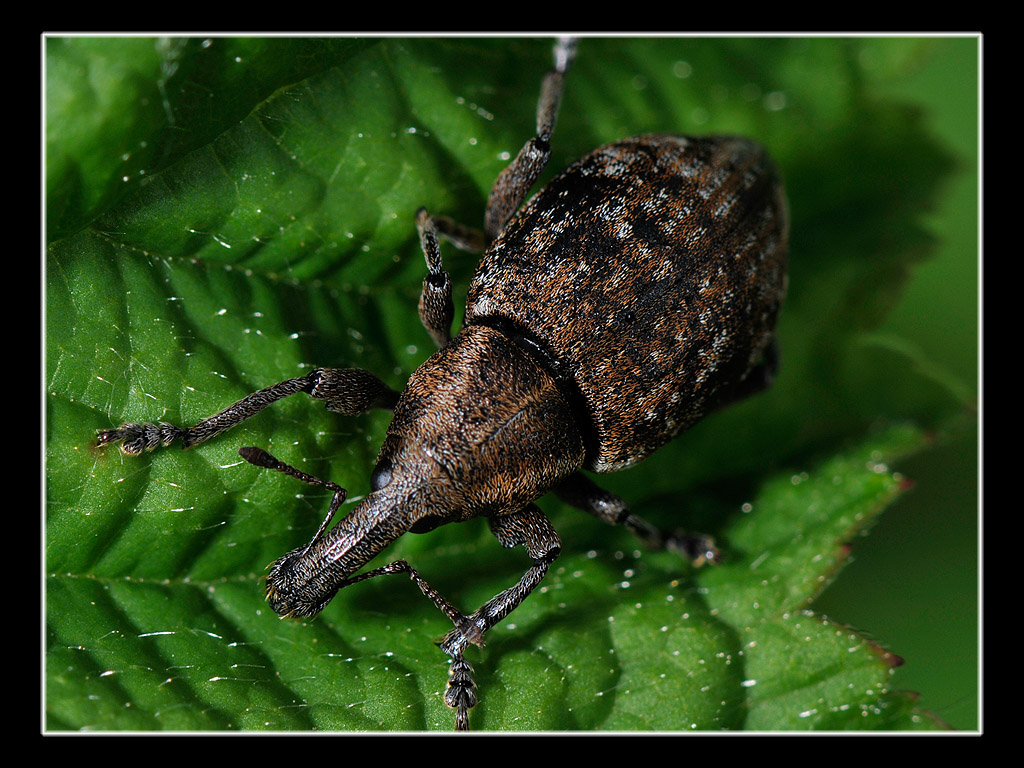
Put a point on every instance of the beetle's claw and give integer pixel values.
(698, 548)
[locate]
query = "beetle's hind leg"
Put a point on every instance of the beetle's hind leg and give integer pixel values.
(583, 493)
(507, 194)
(349, 391)
(514, 182)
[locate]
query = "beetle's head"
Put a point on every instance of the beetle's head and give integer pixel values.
(301, 583)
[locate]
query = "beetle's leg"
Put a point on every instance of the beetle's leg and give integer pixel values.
(760, 378)
(436, 307)
(511, 186)
(261, 458)
(460, 694)
(514, 182)
(345, 390)
(530, 528)
(582, 492)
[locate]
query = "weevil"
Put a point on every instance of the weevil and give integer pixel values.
(635, 293)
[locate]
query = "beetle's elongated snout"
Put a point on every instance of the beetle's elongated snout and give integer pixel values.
(288, 587)
(305, 580)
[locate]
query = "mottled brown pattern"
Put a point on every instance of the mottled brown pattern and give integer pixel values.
(484, 418)
(653, 269)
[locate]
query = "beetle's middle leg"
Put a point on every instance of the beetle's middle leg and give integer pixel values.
(583, 493)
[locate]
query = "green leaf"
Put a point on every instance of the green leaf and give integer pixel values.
(262, 224)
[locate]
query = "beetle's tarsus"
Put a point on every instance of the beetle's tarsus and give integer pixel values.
(698, 548)
(135, 438)
(460, 694)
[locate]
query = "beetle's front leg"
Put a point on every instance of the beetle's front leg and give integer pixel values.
(350, 391)
(583, 493)
(528, 527)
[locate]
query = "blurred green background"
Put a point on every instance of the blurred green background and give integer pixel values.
(914, 581)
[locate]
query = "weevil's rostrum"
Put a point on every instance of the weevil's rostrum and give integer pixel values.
(635, 293)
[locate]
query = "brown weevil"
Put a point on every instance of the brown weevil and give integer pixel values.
(632, 295)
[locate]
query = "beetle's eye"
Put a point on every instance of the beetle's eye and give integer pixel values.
(381, 475)
(426, 524)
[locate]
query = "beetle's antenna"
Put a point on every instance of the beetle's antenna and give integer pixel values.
(261, 458)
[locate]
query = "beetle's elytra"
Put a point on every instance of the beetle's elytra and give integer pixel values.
(635, 293)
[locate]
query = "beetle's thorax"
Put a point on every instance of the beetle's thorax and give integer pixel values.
(481, 429)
